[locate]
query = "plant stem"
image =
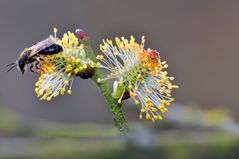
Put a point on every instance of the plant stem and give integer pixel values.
(116, 109)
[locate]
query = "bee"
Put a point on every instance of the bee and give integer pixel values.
(28, 56)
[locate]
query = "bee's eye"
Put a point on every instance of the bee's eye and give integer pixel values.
(21, 64)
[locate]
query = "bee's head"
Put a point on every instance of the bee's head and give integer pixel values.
(21, 65)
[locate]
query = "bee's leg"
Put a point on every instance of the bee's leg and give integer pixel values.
(37, 66)
(32, 70)
(41, 59)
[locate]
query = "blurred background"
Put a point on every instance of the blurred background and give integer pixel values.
(199, 39)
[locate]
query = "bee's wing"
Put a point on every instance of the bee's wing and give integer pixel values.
(43, 44)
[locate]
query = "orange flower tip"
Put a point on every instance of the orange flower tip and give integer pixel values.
(81, 34)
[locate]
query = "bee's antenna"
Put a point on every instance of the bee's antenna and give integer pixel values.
(10, 64)
(11, 67)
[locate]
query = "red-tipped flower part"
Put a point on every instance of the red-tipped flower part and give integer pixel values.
(138, 73)
(81, 34)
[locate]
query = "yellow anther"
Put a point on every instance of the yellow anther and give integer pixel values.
(39, 94)
(66, 82)
(137, 102)
(56, 94)
(170, 86)
(48, 98)
(81, 69)
(175, 86)
(154, 109)
(171, 78)
(153, 120)
(73, 59)
(69, 74)
(68, 68)
(143, 39)
(161, 91)
(69, 91)
(92, 64)
(164, 62)
(156, 117)
(98, 80)
(36, 90)
(147, 100)
(115, 53)
(99, 57)
(148, 116)
(127, 61)
(148, 91)
(132, 39)
(81, 46)
(76, 70)
(160, 117)
(62, 91)
(143, 110)
(55, 30)
(55, 75)
(78, 60)
(172, 99)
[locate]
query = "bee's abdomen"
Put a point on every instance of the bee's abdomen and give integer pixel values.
(53, 49)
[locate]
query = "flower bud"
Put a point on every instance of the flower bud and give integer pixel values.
(81, 34)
